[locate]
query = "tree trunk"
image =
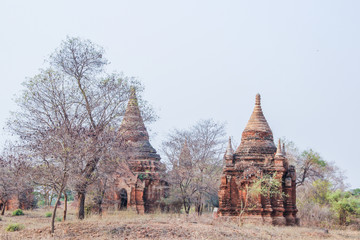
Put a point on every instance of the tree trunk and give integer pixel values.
(54, 212)
(200, 210)
(102, 197)
(65, 206)
(81, 205)
(89, 169)
(51, 199)
(184, 202)
(199, 206)
(342, 217)
(100, 209)
(3, 209)
(186, 207)
(46, 199)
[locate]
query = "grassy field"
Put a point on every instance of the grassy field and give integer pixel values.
(129, 225)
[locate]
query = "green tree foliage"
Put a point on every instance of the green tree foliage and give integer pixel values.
(310, 166)
(344, 204)
(321, 196)
(314, 158)
(320, 191)
(266, 185)
(356, 192)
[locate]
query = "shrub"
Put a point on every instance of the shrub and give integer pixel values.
(48, 214)
(58, 219)
(88, 209)
(14, 227)
(345, 205)
(17, 212)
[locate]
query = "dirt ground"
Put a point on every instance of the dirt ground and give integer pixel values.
(129, 225)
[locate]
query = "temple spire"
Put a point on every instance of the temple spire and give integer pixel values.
(185, 155)
(278, 150)
(132, 126)
(229, 150)
(258, 99)
(283, 150)
(257, 137)
(257, 119)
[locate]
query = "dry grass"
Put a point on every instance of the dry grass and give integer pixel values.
(129, 225)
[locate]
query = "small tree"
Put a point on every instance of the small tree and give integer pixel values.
(246, 201)
(344, 204)
(6, 185)
(310, 166)
(267, 186)
(15, 172)
(316, 179)
(104, 179)
(194, 160)
(320, 191)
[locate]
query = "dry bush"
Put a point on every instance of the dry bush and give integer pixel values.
(14, 227)
(313, 214)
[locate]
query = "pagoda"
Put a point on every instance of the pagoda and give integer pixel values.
(141, 187)
(256, 158)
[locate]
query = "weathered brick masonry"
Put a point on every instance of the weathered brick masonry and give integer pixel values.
(256, 156)
(141, 187)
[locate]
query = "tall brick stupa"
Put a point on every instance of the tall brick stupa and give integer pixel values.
(142, 187)
(255, 158)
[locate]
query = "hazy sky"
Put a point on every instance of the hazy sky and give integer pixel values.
(208, 59)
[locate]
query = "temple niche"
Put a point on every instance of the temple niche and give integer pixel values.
(140, 186)
(257, 157)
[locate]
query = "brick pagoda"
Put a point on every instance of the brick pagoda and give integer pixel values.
(141, 187)
(256, 157)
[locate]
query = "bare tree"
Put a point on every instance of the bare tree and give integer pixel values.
(105, 177)
(15, 183)
(7, 189)
(49, 174)
(194, 159)
(69, 113)
(52, 162)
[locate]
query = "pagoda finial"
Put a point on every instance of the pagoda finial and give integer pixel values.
(185, 155)
(229, 150)
(132, 92)
(185, 144)
(278, 150)
(258, 99)
(283, 149)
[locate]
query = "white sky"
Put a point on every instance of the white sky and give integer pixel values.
(208, 59)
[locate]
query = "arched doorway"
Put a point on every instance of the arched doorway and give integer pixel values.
(123, 199)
